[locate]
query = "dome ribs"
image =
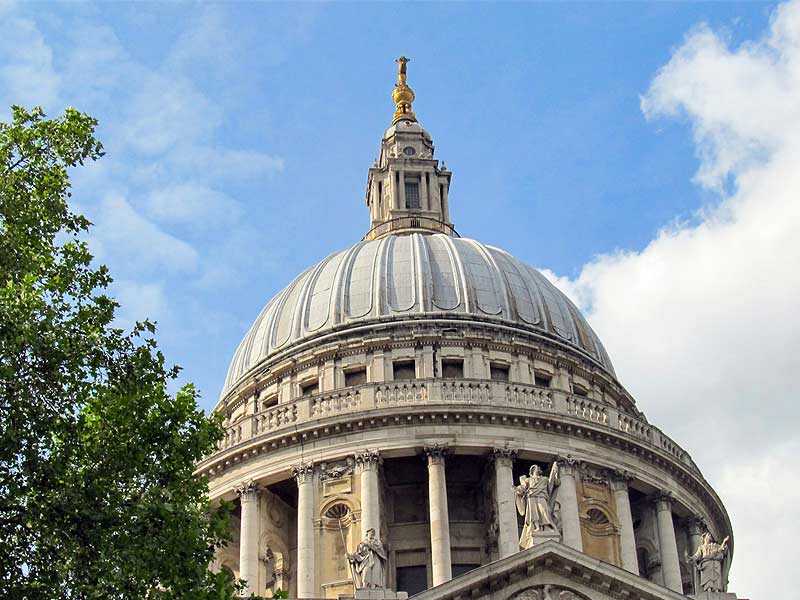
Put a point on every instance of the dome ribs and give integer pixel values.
(416, 276)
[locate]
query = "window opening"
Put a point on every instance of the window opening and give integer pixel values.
(412, 580)
(404, 370)
(453, 368)
(312, 387)
(542, 380)
(498, 372)
(355, 377)
(412, 194)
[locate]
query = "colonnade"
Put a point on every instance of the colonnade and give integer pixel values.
(366, 467)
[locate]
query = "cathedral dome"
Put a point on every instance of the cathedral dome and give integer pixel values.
(416, 343)
(413, 277)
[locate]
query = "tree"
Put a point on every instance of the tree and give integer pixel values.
(97, 493)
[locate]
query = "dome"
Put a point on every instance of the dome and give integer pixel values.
(416, 276)
(416, 343)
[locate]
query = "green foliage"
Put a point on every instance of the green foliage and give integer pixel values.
(97, 493)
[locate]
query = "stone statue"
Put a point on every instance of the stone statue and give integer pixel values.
(534, 497)
(369, 563)
(709, 558)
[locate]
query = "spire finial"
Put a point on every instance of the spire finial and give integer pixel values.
(402, 95)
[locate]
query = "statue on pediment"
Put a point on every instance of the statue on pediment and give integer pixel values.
(535, 501)
(368, 563)
(708, 559)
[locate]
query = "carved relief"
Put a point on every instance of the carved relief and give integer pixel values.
(336, 469)
(548, 592)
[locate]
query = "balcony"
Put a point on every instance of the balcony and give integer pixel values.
(396, 396)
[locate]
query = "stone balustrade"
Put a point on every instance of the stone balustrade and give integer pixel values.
(431, 392)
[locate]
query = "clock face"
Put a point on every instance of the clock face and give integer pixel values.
(409, 151)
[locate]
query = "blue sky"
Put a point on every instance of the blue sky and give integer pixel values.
(534, 107)
(643, 153)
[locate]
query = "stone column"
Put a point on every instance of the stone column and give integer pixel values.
(423, 192)
(306, 559)
(668, 546)
(402, 190)
(619, 485)
(507, 529)
(248, 536)
(393, 177)
(695, 526)
(568, 499)
(445, 202)
(440, 524)
(367, 463)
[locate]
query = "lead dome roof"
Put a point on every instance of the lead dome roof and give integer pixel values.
(410, 277)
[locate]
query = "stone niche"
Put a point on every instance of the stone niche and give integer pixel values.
(600, 529)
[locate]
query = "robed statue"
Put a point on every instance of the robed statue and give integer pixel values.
(368, 563)
(709, 558)
(535, 501)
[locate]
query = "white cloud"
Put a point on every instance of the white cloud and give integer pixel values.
(167, 110)
(122, 234)
(139, 301)
(27, 76)
(702, 325)
(228, 163)
(194, 205)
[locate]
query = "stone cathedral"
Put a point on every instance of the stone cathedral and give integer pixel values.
(424, 415)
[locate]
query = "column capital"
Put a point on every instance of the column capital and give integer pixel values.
(663, 500)
(696, 524)
(303, 472)
(247, 490)
(619, 479)
(368, 459)
(435, 453)
(504, 456)
(566, 464)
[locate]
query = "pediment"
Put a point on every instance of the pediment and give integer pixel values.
(549, 571)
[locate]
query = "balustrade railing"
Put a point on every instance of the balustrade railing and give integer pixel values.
(529, 397)
(430, 392)
(336, 403)
(468, 392)
(405, 392)
(586, 409)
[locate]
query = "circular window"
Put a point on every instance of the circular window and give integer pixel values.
(409, 151)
